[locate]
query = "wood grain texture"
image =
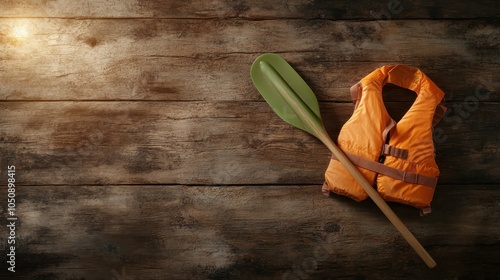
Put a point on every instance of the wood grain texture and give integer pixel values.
(193, 60)
(268, 232)
(334, 10)
(144, 152)
(206, 143)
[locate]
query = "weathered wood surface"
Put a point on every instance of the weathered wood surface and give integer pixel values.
(210, 59)
(252, 9)
(206, 143)
(268, 232)
(110, 108)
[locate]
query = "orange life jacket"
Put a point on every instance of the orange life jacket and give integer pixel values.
(398, 157)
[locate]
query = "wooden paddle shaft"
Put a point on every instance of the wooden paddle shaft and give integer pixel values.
(405, 232)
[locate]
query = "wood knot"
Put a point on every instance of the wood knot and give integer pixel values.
(331, 228)
(92, 41)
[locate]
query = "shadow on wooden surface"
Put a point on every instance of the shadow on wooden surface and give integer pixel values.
(248, 232)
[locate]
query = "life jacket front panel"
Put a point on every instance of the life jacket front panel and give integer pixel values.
(407, 171)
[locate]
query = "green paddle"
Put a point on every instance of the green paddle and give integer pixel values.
(292, 99)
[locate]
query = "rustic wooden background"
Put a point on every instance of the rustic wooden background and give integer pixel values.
(144, 152)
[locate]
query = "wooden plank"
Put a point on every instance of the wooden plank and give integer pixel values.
(246, 232)
(206, 143)
(110, 109)
(205, 60)
(335, 10)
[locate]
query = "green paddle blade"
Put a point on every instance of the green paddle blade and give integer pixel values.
(287, 93)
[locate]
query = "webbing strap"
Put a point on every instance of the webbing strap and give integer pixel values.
(401, 175)
(390, 125)
(325, 189)
(395, 152)
(425, 211)
(439, 113)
